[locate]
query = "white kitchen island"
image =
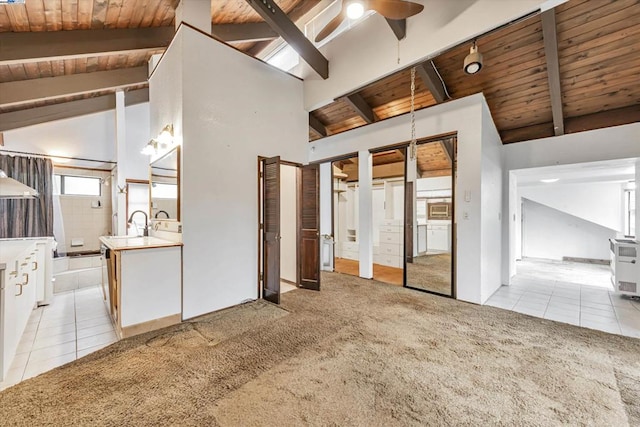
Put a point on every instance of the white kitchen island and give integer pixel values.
(144, 285)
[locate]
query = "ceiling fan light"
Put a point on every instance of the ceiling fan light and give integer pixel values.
(355, 10)
(473, 61)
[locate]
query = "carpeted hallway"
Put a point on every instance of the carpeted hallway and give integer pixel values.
(356, 353)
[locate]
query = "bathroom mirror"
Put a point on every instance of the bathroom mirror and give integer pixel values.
(164, 177)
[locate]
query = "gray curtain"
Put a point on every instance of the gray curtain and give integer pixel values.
(28, 217)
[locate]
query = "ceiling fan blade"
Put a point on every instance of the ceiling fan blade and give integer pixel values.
(395, 9)
(331, 26)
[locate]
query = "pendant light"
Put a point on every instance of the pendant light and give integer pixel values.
(473, 61)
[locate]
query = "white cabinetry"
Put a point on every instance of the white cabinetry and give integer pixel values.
(439, 237)
(391, 244)
(19, 275)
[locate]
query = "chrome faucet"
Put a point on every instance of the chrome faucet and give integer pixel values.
(145, 230)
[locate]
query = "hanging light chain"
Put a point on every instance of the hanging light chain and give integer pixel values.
(413, 144)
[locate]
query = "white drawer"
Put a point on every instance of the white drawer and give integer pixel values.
(350, 246)
(389, 237)
(390, 261)
(390, 228)
(389, 249)
(392, 222)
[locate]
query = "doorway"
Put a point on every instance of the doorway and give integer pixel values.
(429, 217)
(288, 227)
(346, 189)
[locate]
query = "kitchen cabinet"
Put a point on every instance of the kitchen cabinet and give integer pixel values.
(439, 237)
(24, 281)
(144, 285)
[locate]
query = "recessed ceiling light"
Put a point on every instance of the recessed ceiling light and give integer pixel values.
(549, 180)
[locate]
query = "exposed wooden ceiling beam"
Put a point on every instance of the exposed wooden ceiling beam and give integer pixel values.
(553, 68)
(431, 80)
(22, 91)
(603, 119)
(251, 32)
(317, 125)
(357, 102)
(280, 22)
(399, 27)
(65, 110)
(24, 47)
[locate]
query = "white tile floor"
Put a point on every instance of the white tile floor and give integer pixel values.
(75, 324)
(593, 305)
(286, 287)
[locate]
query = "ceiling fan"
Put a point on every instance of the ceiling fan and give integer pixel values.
(354, 9)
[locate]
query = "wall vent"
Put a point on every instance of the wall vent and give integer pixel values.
(627, 287)
(627, 251)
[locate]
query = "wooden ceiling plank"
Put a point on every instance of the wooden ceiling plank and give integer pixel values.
(35, 12)
(18, 17)
(99, 16)
(280, 22)
(37, 46)
(542, 130)
(596, 14)
(598, 36)
(619, 116)
(69, 15)
(431, 80)
(149, 13)
(32, 116)
(255, 31)
(25, 91)
(317, 126)
(360, 106)
(398, 26)
(553, 68)
(85, 12)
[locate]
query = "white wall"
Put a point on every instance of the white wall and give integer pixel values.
(491, 208)
(551, 234)
(288, 222)
(619, 142)
(599, 202)
(228, 109)
(463, 116)
(371, 50)
(137, 136)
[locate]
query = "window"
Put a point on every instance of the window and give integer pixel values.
(630, 213)
(77, 185)
(164, 191)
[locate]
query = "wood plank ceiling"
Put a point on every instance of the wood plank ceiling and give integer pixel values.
(37, 16)
(599, 75)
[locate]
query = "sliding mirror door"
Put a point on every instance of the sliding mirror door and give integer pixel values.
(429, 243)
(387, 198)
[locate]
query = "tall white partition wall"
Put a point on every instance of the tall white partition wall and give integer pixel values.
(230, 108)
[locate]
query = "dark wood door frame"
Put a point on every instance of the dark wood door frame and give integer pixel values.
(271, 229)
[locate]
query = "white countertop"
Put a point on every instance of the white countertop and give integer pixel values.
(121, 243)
(12, 248)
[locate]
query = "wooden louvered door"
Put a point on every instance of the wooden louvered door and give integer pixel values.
(309, 235)
(271, 229)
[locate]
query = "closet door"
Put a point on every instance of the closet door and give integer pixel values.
(271, 232)
(309, 243)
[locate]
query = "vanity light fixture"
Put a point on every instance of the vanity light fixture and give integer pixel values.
(166, 136)
(550, 180)
(473, 61)
(355, 10)
(151, 148)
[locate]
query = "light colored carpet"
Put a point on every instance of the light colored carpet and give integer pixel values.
(430, 272)
(356, 353)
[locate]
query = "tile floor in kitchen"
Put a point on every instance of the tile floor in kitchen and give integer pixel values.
(75, 324)
(569, 292)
